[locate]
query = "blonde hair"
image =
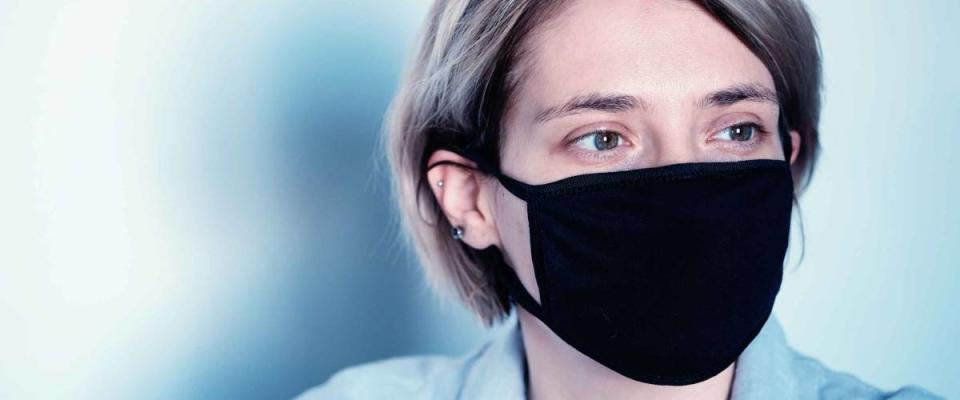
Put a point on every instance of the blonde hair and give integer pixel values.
(460, 81)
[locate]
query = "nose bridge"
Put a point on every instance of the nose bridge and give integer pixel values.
(674, 138)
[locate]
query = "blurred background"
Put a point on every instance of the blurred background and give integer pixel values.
(193, 205)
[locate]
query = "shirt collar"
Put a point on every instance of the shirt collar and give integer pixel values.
(762, 370)
(498, 372)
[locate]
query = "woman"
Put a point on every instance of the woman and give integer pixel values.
(622, 173)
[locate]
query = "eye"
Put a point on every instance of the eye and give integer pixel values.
(738, 133)
(601, 140)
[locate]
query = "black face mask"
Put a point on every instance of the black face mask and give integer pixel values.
(664, 274)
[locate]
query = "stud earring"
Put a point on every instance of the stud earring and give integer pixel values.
(457, 232)
(440, 183)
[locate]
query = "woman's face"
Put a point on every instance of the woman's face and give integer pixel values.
(627, 84)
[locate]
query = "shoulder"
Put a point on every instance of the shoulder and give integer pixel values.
(419, 377)
(826, 383)
(771, 368)
(494, 370)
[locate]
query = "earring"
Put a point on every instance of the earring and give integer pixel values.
(457, 233)
(440, 183)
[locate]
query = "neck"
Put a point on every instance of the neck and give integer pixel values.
(557, 371)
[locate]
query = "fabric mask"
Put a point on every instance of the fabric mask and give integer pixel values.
(663, 274)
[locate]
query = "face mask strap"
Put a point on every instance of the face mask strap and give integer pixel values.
(517, 188)
(507, 276)
(784, 128)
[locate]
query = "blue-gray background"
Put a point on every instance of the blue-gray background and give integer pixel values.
(191, 204)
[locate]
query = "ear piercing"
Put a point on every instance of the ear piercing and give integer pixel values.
(457, 232)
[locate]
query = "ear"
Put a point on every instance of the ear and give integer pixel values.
(794, 146)
(465, 196)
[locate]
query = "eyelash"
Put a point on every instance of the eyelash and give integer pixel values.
(760, 138)
(598, 155)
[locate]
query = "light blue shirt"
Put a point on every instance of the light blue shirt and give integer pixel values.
(767, 369)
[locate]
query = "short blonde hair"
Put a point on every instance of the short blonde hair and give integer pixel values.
(467, 65)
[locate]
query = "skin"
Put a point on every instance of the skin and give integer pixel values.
(670, 54)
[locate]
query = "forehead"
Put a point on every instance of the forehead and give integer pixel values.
(666, 51)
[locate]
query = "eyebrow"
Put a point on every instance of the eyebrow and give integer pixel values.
(595, 101)
(737, 93)
(614, 103)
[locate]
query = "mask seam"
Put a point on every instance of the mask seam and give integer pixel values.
(613, 185)
(577, 184)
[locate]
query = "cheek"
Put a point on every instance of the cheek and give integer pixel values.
(774, 148)
(514, 232)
